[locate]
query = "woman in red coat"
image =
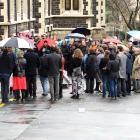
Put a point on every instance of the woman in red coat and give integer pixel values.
(19, 79)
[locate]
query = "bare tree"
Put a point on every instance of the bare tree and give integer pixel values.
(129, 11)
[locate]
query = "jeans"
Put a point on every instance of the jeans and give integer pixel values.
(4, 79)
(105, 82)
(113, 87)
(54, 87)
(44, 83)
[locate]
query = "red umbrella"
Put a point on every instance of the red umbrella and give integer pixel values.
(112, 40)
(48, 41)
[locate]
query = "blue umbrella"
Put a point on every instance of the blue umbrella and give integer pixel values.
(135, 34)
(75, 35)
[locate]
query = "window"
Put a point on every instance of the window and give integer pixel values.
(102, 18)
(102, 3)
(67, 4)
(75, 4)
(71, 4)
(102, 11)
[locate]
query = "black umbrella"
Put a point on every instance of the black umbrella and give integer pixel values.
(81, 30)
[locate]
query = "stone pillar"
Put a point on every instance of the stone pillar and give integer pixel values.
(25, 10)
(18, 10)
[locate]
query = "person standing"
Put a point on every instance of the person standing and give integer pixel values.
(43, 73)
(100, 55)
(19, 79)
(31, 72)
(104, 71)
(91, 70)
(6, 68)
(113, 68)
(77, 85)
(53, 64)
(136, 71)
(122, 58)
(129, 67)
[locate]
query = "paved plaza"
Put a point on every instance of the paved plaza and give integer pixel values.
(90, 118)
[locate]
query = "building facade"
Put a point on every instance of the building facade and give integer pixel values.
(54, 17)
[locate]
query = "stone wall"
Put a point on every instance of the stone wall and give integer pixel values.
(69, 22)
(55, 7)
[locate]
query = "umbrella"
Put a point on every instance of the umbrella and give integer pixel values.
(15, 42)
(50, 42)
(112, 40)
(75, 35)
(81, 30)
(30, 41)
(135, 34)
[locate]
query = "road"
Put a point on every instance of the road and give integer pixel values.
(89, 118)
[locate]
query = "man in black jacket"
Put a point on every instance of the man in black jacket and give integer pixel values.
(6, 67)
(43, 69)
(54, 65)
(31, 72)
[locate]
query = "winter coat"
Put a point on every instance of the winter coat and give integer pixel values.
(129, 63)
(136, 68)
(99, 57)
(103, 66)
(19, 69)
(54, 64)
(123, 60)
(32, 63)
(76, 66)
(6, 64)
(113, 68)
(43, 66)
(91, 66)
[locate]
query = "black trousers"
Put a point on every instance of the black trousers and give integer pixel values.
(60, 85)
(4, 79)
(89, 84)
(128, 83)
(31, 86)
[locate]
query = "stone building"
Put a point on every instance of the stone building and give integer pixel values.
(54, 17)
(16, 16)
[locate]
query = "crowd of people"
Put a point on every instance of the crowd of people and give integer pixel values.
(111, 69)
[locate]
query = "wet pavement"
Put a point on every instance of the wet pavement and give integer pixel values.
(90, 118)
